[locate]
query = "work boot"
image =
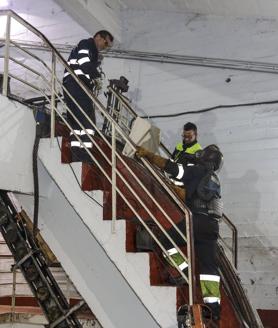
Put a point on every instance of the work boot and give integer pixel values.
(183, 317)
(174, 277)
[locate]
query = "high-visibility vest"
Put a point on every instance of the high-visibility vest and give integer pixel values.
(190, 150)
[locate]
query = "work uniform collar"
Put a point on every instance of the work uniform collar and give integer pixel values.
(185, 146)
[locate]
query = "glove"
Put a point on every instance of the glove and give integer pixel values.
(179, 191)
(142, 152)
(154, 159)
(98, 84)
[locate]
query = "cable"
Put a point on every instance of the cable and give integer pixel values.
(211, 109)
(36, 180)
(92, 198)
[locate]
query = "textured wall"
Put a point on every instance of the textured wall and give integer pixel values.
(247, 135)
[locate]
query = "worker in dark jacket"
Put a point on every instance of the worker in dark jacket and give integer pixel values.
(189, 144)
(184, 151)
(203, 197)
(84, 60)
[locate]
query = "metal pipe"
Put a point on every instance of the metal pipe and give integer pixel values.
(190, 255)
(14, 293)
(235, 239)
(221, 63)
(53, 88)
(114, 192)
(7, 53)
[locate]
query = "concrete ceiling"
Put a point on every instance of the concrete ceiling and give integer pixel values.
(213, 7)
(67, 20)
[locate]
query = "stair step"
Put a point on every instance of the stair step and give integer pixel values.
(93, 179)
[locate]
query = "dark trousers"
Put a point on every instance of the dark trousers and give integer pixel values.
(79, 152)
(205, 239)
(84, 102)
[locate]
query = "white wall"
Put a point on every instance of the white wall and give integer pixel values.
(17, 126)
(246, 135)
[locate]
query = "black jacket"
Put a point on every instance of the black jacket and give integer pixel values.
(84, 60)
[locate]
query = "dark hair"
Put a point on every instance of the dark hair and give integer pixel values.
(104, 34)
(190, 126)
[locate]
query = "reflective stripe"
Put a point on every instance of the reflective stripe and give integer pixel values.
(83, 51)
(177, 183)
(181, 171)
(209, 277)
(75, 144)
(172, 251)
(78, 72)
(87, 144)
(79, 145)
(76, 132)
(72, 61)
(211, 299)
(83, 60)
(183, 266)
(87, 131)
(82, 132)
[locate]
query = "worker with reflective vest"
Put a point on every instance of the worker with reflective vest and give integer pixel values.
(185, 150)
(203, 197)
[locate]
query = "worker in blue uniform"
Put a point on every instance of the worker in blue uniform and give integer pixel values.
(84, 60)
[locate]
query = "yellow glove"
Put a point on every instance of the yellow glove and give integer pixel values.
(154, 159)
(142, 152)
(180, 192)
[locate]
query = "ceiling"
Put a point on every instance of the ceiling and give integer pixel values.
(65, 20)
(213, 7)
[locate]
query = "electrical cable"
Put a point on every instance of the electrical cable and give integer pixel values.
(92, 198)
(36, 180)
(211, 109)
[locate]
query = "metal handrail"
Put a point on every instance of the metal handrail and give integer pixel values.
(234, 238)
(225, 219)
(102, 110)
(132, 111)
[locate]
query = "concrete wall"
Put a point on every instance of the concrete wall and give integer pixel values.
(84, 259)
(16, 143)
(246, 135)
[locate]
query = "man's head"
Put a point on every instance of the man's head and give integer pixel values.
(211, 157)
(103, 40)
(189, 133)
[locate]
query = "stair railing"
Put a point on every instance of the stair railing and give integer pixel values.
(234, 247)
(52, 88)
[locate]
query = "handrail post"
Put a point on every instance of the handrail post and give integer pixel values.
(235, 247)
(113, 168)
(13, 293)
(7, 55)
(191, 259)
(53, 92)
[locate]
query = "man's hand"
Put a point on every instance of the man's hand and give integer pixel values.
(179, 191)
(98, 84)
(154, 159)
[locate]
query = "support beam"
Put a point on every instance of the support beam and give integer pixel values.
(94, 15)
